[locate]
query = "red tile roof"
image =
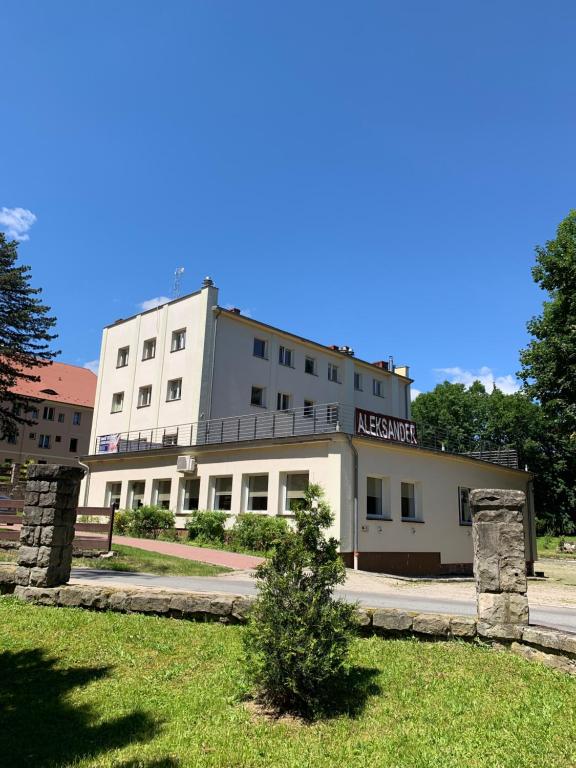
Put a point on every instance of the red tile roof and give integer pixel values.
(60, 382)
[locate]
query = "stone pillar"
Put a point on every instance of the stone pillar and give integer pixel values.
(499, 562)
(45, 554)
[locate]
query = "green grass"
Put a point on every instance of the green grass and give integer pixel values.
(132, 559)
(100, 690)
(548, 547)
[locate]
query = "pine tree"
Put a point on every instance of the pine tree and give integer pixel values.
(24, 335)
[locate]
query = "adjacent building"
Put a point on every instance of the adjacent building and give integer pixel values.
(60, 406)
(201, 407)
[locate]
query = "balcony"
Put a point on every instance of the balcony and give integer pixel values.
(324, 419)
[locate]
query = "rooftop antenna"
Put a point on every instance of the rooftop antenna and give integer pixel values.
(177, 280)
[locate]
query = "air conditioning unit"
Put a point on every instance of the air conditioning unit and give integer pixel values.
(186, 464)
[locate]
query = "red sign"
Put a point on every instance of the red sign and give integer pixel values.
(384, 427)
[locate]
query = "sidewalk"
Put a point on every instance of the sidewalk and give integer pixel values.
(232, 560)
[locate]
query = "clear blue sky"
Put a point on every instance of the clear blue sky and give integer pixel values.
(366, 173)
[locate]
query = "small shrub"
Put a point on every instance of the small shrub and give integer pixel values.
(298, 637)
(207, 526)
(122, 520)
(147, 522)
(257, 532)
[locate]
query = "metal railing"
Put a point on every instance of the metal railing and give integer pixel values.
(297, 422)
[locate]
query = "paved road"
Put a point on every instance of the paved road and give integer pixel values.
(546, 615)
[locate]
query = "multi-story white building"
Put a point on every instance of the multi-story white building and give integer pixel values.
(199, 407)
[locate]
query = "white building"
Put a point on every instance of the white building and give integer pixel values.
(199, 407)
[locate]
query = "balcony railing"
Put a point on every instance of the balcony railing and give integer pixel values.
(297, 422)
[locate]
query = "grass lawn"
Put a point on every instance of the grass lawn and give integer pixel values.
(132, 559)
(548, 547)
(85, 689)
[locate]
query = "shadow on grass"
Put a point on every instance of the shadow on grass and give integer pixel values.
(350, 694)
(39, 727)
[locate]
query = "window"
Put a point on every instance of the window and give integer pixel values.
(112, 495)
(310, 365)
(260, 349)
(285, 357)
(117, 402)
(162, 494)
(373, 497)
(122, 359)
(333, 372)
(48, 413)
(174, 389)
(144, 396)
(223, 493)
(170, 438)
(357, 381)
(32, 436)
(178, 340)
(295, 488)
(149, 349)
(44, 441)
(308, 408)
(283, 402)
(11, 439)
(61, 418)
(257, 493)
(76, 418)
(136, 493)
(191, 498)
(377, 388)
(331, 414)
(465, 510)
(73, 444)
(408, 501)
(257, 397)
(33, 413)
(58, 439)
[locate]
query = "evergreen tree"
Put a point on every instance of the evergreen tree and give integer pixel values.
(298, 637)
(549, 361)
(24, 335)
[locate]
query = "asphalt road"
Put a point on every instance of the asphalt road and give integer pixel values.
(545, 615)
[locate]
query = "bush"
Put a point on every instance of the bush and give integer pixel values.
(144, 522)
(298, 637)
(257, 532)
(207, 526)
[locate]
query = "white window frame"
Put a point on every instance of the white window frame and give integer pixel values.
(417, 502)
(261, 494)
(377, 388)
(156, 492)
(385, 510)
(109, 495)
(178, 341)
(117, 402)
(130, 499)
(308, 411)
(215, 493)
(286, 356)
(170, 388)
(149, 344)
(333, 373)
(48, 413)
(283, 401)
(183, 483)
(264, 342)
(358, 382)
(122, 357)
(44, 442)
(262, 390)
(145, 396)
(77, 418)
(312, 361)
(285, 506)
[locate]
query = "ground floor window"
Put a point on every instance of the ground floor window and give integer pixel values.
(408, 501)
(223, 493)
(136, 493)
(191, 498)
(464, 506)
(257, 493)
(296, 485)
(112, 496)
(162, 493)
(374, 497)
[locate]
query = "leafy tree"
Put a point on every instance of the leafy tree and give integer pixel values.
(24, 335)
(549, 361)
(298, 637)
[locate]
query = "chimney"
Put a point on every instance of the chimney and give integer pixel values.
(383, 364)
(235, 310)
(207, 282)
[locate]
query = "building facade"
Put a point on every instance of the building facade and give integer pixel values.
(60, 406)
(198, 407)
